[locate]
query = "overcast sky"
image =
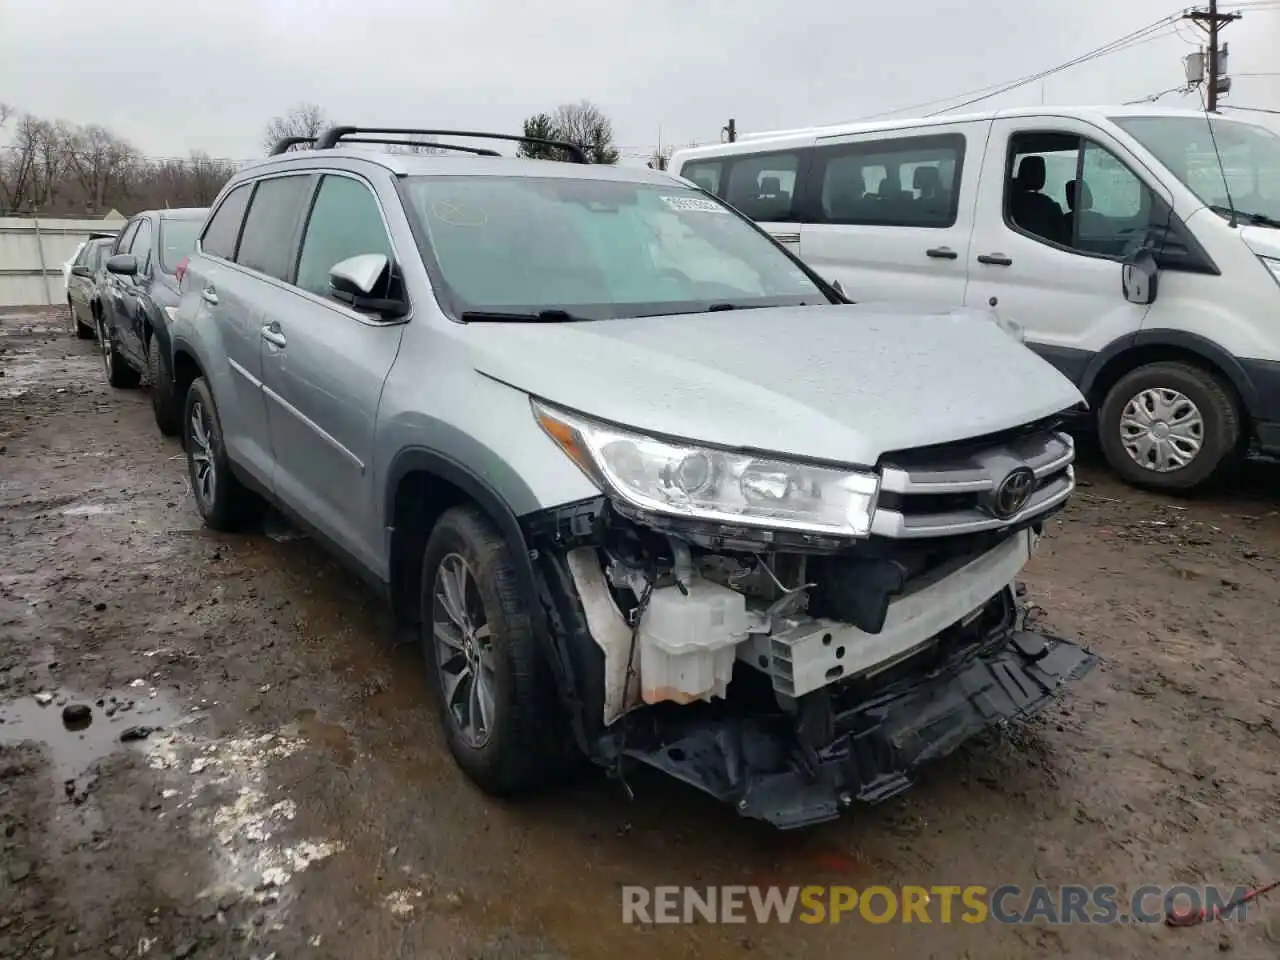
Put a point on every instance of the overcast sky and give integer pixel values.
(173, 77)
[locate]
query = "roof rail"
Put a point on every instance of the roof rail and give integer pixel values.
(283, 144)
(331, 137)
(478, 151)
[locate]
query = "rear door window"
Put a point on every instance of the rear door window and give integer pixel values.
(910, 182)
(220, 236)
(271, 225)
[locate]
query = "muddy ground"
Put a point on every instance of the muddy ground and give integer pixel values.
(299, 800)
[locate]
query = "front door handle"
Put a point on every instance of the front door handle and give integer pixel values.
(209, 295)
(941, 253)
(274, 337)
(995, 259)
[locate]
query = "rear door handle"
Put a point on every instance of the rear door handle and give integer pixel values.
(274, 337)
(941, 253)
(209, 295)
(995, 259)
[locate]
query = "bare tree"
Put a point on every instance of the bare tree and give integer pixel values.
(585, 124)
(57, 169)
(301, 120)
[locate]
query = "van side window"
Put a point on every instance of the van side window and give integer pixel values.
(220, 235)
(763, 187)
(705, 173)
(1071, 192)
(271, 225)
(911, 182)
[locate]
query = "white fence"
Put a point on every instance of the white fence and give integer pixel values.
(32, 252)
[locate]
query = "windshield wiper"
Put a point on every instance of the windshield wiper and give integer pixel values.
(541, 316)
(1256, 219)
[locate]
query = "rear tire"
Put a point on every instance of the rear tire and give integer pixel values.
(510, 750)
(164, 400)
(1170, 426)
(224, 502)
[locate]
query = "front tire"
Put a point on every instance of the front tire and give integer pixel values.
(224, 502)
(497, 699)
(1169, 426)
(164, 400)
(119, 374)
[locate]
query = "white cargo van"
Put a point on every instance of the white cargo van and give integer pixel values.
(1139, 248)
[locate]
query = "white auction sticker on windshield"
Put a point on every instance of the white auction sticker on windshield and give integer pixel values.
(693, 204)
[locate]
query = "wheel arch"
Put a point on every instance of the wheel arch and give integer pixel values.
(186, 368)
(1152, 346)
(421, 485)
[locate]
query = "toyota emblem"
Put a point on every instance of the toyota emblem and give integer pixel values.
(1013, 493)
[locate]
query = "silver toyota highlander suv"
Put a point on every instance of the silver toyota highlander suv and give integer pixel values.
(647, 486)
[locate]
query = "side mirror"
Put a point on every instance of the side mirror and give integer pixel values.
(1140, 277)
(80, 271)
(364, 282)
(123, 264)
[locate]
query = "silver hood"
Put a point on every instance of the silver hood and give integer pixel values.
(837, 383)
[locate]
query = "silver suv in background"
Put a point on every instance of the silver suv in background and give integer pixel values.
(649, 488)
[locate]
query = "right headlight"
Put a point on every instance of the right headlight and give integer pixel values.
(683, 479)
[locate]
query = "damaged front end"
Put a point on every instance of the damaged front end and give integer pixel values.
(794, 673)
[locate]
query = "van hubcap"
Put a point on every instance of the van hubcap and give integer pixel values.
(464, 650)
(1162, 430)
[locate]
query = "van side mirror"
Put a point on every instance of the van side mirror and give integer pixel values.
(1140, 277)
(123, 264)
(364, 283)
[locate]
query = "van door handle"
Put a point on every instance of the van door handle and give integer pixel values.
(209, 295)
(941, 253)
(274, 337)
(995, 259)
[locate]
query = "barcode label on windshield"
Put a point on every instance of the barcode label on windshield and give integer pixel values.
(693, 205)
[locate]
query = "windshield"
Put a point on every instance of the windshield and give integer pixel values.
(596, 249)
(1250, 160)
(177, 240)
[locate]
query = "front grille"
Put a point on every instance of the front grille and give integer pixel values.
(945, 491)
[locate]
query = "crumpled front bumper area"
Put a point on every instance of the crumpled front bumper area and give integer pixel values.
(760, 765)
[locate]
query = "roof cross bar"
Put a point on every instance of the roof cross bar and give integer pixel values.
(331, 137)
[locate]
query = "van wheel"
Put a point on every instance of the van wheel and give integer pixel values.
(223, 501)
(496, 693)
(1169, 426)
(164, 401)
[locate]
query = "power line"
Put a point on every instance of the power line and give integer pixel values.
(1141, 35)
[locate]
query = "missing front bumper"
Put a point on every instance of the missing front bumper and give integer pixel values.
(758, 763)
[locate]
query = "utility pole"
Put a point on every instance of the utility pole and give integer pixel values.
(1211, 21)
(730, 132)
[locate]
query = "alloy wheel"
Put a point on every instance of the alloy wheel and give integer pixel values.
(464, 650)
(204, 475)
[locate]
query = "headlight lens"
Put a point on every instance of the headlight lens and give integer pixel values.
(685, 480)
(1273, 266)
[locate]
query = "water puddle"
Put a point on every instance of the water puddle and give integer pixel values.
(77, 731)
